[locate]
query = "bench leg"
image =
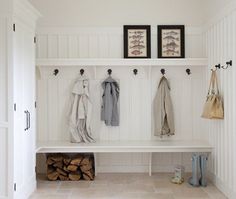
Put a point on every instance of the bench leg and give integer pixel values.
(150, 164)
(95, 163)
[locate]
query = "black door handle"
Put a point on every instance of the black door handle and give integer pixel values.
(26, 118)
(29, 120)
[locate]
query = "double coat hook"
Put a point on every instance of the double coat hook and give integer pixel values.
(228, 63)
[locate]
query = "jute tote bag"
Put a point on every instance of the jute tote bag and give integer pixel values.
(213, 108)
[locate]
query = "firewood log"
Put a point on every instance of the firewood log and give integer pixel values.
(86, 167)
(57, 158)
(65, 169)
(88, 175)
(61, 172)
(49, 161)
(67, 161)
(53, 176)
(75, 176)
(72, 167)
(63, 178)
(85, 160)
(58, 165)
(76, 160)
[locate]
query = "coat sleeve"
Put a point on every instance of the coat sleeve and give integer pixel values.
(159, 111)
(169, 111)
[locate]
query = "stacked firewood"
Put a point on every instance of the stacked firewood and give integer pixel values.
(70, 167)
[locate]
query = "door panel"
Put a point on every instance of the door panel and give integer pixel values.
(5, 144)
(24, 89)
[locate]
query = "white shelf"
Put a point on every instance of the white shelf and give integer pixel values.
(122, 62)
(124, 146)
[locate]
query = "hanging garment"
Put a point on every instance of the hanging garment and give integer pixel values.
(109, 110)
(163, 110)
(80, 113)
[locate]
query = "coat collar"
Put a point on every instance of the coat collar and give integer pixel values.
(164, 80)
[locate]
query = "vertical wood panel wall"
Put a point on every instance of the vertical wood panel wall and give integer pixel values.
(221, 47)
(136, 95)
(92, 42)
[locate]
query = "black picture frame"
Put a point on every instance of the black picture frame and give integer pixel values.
(137, 41)
(173, 44)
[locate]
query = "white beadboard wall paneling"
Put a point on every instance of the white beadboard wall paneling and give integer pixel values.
(220, 47)
(96, 49)
(101, 42)
(233, 137)
(136, 95)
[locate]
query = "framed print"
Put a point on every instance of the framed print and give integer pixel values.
(171, 41)
(137, 41)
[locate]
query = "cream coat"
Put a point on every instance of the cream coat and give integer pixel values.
(163, 110)
(80, 112)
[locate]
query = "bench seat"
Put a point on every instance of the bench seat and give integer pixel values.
(125, 146)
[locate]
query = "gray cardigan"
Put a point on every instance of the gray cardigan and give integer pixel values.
(163, 110)
(109, 110)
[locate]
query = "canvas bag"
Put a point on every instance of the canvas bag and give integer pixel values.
(213, 108)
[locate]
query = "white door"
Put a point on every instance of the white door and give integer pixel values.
(24, 97)
(6, 109)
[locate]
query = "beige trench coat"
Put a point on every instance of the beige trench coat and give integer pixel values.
(80, 112)
(163, 110)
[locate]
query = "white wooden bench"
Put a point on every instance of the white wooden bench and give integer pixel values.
(187, 146)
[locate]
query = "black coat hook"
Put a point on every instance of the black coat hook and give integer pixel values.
(217, 66)
(81, 72)
(135, 71)
(188, 71)
(55, 72)
(109, 71)
(163, 71)
(228, 63)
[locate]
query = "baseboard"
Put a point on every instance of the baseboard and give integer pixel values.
(27, 189)
(221, 186)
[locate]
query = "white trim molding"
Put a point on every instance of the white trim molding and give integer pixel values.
(122, 62)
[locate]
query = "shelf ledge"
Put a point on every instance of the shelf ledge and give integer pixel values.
(122, 62)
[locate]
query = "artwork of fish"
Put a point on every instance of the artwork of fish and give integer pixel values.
(170, 52)
(137, 42)
(171, 33)
(171, 38)
(139, 32)
(136, 37)
(136, 52)
(137, 46)
(171, 43)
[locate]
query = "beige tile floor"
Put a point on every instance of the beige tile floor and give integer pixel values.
(124, 186)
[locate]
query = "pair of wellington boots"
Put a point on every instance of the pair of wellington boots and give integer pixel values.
(199, 171)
